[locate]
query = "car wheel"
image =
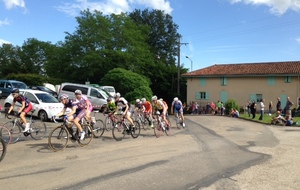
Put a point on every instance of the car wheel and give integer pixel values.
(43, 115)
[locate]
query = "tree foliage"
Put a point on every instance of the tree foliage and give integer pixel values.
(143, 42)
(131, 85)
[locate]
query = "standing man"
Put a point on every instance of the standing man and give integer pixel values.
(253, 109)
(262, 109)
(288, 106)
(278, 105)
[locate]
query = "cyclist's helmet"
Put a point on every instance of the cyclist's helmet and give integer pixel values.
(63, 96)
(15, 90)
(175, 99)
(161, 99)
(108, 99)
(143, 100)
(138, 100)
(78, 92)
(154, 98)
(117, 95)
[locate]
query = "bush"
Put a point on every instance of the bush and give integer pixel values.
(231, 104)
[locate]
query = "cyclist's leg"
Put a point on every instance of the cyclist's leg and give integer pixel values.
(77, 118)
(127, 116)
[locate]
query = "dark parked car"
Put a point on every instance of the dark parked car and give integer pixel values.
(45, 89)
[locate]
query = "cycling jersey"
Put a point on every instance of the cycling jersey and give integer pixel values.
(177, 105)
(22, 99)
(139, 105)
(121, 103)
(111, 106)
(84, 101)
(148, 106)
(159, 105)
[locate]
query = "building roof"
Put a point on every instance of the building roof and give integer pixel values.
(267, 68)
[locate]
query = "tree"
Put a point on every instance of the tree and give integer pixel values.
(131, 85)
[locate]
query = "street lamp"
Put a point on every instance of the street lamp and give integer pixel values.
(191, 62)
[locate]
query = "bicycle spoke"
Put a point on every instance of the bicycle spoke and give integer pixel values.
(119, 131)
(38, 129)
(88, 137)
(15, 130)
(58, 138)
(98, 128)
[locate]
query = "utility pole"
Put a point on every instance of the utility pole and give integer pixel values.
(178, 65)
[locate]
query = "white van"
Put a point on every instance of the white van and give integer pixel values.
(110, 89)
(96, 96)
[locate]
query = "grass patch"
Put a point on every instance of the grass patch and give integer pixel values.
(266, 118)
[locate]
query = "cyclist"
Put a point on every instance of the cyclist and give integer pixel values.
(77, 113)
(147, 108)
(25, 108)
(138, 105)
(123, 104)
(110, 108)
(158, 105)
(89, 106)
(165, 103)
(178, 108)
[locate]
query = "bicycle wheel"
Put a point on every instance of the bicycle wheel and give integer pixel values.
(5, 134)
(15, 130)
(108, 123)
(88, 137)
(2, 149)
(136, 132)
(58, 138)
(158, 129)
(119, 131)
(168, 131)
(98, 128)
(38, 129)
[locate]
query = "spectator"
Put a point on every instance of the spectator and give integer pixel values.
(234, 113)
(288, 120)
(253, 109)
(277, 119)
(278, 105)
(207, 110)
(270, 108)
(262, 109)
(248, 107)
(219, 105)
(222, 108)
(196, 108)
(288, 106)
(213, 108)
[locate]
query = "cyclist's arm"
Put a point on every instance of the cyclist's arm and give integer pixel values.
(61, 113)
(11, 107)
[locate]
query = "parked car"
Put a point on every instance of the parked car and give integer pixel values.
(7, 85)
(0, 94)
(44, 104)
(96, 96)
(110, 89)
(45, 89)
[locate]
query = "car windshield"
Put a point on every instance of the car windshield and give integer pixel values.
(46, 98)
(19, 85)
(45, 89)
(106, 93)
(109, 89)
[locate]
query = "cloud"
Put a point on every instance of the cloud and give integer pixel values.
(112, 6)
(4, 22)
(298, 40)
(4, 42)
(9, 4)
(278, 7)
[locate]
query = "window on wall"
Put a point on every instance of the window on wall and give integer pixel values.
(223, 81)
(202, 96)
(259, 97)
(202, 81)
(287, 79)
(271, 81)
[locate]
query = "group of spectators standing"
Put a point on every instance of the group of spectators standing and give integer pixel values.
(286, 111)
(209, 108)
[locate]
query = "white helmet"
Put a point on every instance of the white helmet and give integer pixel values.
(78, 92)
(175, 99)
(154, 98)
(63, 96)
(117, 95)
(138, 100)
(143, 100)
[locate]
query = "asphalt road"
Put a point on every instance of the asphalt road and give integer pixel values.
(210, 149)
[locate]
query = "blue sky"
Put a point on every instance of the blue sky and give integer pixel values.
(217, 31)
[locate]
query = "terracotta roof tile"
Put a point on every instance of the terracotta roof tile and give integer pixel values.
(267, 68)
